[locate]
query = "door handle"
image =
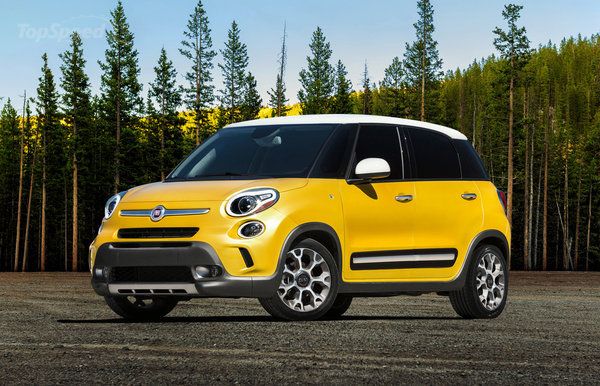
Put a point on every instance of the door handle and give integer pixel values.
(469, 196)
(404, 198)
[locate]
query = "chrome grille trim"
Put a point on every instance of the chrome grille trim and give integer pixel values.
(168, 212)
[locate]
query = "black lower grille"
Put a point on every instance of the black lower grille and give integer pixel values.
(156, 233)
(151, 275)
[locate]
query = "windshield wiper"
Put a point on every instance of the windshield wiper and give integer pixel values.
(226, 174)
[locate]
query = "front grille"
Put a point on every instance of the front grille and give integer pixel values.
(151, 275)
(156, 233)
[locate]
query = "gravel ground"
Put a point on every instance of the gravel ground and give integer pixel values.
(54, 329)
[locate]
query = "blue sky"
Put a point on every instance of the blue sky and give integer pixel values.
(375, 30)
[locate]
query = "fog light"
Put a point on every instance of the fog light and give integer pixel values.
(251, 229)
(206, 271)
(201, 272)
(99, 273)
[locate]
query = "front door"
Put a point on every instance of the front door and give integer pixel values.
(378, 216)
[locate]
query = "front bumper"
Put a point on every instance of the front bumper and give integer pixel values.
(172, 254)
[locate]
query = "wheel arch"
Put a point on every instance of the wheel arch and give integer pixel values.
(318, 231)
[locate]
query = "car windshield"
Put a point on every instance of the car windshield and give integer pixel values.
(274, 151)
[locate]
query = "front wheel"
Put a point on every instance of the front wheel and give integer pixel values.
(308, 286)
(486, 286)
(140, 308)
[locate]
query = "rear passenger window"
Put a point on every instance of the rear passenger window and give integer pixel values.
(470, 163)
(434, 155)
(380, 142)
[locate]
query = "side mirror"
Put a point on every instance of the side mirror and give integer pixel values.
(372, 168)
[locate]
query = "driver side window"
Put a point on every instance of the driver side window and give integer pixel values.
(375, 141)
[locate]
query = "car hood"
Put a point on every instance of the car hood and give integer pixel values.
(188, 191)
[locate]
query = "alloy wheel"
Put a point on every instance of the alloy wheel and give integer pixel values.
(306, 280)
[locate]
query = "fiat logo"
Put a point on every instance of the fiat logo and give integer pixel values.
(157, 213)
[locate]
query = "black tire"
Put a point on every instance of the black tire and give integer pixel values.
(275, 306)
(137, 308)
(340, 306)
(466, 301)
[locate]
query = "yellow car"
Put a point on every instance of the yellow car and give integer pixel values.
(305, 213)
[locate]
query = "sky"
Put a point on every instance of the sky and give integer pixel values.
(358, 30)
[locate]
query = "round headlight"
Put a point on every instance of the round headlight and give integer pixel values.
(112, 203)
(251, 201)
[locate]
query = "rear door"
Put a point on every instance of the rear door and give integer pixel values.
(449, 211)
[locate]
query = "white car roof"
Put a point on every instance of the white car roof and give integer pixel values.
(348, 118)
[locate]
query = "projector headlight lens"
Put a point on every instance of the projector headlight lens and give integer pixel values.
(251, 201)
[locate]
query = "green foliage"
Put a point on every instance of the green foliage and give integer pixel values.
(366, 97)
(121, 101)
(317, 81)
(252, 100)
(197, 48)
(164, 129)
(392, 91)
(423, 65)
(277, 98)
(235, 61)
(341, 103)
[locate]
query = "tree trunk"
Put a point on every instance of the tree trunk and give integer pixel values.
(566, 237)
(577, 218)
(531, 187)
(526, 208)
(510, 156)
(65, 225)
(545, 225)
(118, 129)
(589, 226)
(75, 230)
(537, 220)
(20, 194)
(43, 220)
(424, 55)
(28, 218)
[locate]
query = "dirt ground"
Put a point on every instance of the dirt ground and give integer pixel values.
(54, 329)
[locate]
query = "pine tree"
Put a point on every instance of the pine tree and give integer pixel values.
(341, 103)
(9, 175)
(277, 97)
(121, 101)
(422, 62)
(252, 101)
(514, 48)
(20, 194)
(197, 47)
(392, 90)
(53, 165)
(317, 80)
(165, 98)
(235, 61)
(76, 108)
(366, 98)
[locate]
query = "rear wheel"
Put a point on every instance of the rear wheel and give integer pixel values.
(141, 308)
(308, 286)
(486, 287)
